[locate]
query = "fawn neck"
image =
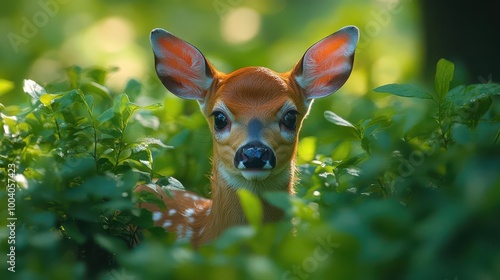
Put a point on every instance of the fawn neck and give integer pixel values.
(225, 211)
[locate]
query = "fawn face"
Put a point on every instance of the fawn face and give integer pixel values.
(254, 113)
(255, 117)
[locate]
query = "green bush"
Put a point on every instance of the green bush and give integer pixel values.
(409, 193)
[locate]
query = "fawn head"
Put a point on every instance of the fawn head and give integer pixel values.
(254, 113)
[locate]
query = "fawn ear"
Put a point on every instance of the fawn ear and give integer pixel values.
(181, 67)
(326, 65)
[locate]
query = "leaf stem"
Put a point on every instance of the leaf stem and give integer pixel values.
(89, 111)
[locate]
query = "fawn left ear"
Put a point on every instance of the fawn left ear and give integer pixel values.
(326, 65)
(181, 67)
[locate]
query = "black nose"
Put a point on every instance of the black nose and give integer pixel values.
(254, 155)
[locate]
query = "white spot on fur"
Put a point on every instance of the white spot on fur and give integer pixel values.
(192, 196)
(184, 234)
(189, 212)
(172, 212)
(189, 233)
(157, 216)
(179, 231)
(167, 223)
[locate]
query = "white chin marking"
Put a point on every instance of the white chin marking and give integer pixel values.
(255, 175)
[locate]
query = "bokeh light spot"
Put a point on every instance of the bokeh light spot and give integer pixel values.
(240, 25)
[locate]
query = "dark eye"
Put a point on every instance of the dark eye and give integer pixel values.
(290, 119)
(220, 120)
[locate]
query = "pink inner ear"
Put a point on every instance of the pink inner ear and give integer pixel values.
(181, 67)
(328, 64)
(329, 47)
(183, 62)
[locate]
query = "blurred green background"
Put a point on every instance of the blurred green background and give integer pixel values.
(401, 40)
(40, 38)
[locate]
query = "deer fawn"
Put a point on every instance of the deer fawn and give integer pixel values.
(255, 116)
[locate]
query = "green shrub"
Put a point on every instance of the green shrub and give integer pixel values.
(409, 193)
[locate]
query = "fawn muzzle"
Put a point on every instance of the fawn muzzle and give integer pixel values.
(254, 156)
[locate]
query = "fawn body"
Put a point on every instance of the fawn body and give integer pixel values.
(255, 115)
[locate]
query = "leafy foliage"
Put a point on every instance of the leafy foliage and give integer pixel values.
(402, 194)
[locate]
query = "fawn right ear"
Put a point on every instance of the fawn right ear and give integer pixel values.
(181, 67)
(326, 65)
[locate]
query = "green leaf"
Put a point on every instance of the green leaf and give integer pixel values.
(147, 119)
(97, 186)
(47, 99)
(89, 99)
(140, 155)
(336, 119)
(252, 207)
(303, 209)
(74, 75)
(98, 74)
(152, 107)
(365, 144)
(155, 141)
(444, 74)
(462, 95)
(282, 200)
(96, 88)
(133, 88)
(350, 161)
(121, 103)
(69, 98)
(168, 183)
(233, 236)
(404, 90)
(149, 197)
(379, 121)
(469, 104)
(374, 124)
(106, 115)
(33, 89)
(111, 244)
